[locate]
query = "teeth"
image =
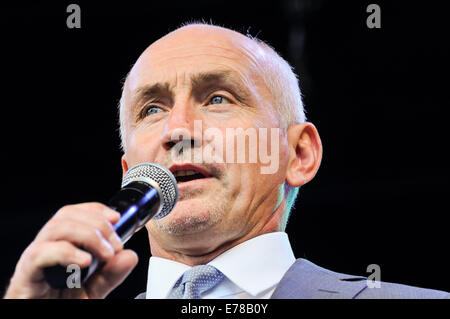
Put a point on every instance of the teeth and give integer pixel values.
(185, 173)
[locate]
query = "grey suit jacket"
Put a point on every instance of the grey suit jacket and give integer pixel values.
(304, 280)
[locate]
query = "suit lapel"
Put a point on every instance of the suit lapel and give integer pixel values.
(304, 280)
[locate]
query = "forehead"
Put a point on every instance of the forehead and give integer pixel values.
(178, 56)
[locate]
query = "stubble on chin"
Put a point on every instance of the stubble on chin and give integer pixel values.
(191, 221)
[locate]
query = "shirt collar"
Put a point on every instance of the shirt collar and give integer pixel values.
(162, 276)
(254, 265)
(257, 264)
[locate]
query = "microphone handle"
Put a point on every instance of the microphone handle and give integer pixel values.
(133, 217)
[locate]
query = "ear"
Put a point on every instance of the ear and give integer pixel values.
(124, 165)
(305, 153)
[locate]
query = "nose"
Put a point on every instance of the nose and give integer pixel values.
(180, 126)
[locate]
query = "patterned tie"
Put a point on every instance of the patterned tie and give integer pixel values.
(196, 281)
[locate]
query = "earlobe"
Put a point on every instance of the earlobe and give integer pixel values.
(124, 165)
(305, 154)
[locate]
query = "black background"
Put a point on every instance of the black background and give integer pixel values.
(377, 96)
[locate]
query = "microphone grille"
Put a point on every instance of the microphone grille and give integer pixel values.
(164, 180)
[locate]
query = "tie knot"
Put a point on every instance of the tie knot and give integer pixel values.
(197, 280)
(202, 274)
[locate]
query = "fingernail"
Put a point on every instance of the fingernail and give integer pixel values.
(115, 241)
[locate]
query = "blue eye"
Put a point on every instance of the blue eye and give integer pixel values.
(218, 100)
(153, 110)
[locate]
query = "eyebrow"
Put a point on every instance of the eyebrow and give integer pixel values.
(221, 78)
(156, 89)
(202, 80)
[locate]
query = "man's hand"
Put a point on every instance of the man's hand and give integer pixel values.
(87, 225)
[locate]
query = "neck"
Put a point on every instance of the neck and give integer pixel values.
(202, 255)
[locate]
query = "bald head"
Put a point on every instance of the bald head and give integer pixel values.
(262, 62)
(207, 35)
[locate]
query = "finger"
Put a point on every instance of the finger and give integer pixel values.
(95, 213)
(45, 254)
(78, 233)
(99, 222)
(92, 207)
(112, 274)
(111, 215)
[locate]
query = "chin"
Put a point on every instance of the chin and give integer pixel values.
(189, 217)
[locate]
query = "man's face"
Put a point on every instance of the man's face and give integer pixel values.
(193, 81)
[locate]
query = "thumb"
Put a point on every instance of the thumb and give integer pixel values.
(112, 274)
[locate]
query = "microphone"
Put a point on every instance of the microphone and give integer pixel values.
(148, 191)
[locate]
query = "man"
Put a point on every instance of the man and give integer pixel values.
(231, 213)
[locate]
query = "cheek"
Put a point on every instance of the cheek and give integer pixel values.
(142, 146)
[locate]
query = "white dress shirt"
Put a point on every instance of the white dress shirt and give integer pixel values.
(252, 269)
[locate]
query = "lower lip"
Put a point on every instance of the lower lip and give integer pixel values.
(194, 183)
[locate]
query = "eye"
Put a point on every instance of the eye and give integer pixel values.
(217, 99)
(152, 110)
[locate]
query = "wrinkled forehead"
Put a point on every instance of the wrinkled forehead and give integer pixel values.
(180, 54)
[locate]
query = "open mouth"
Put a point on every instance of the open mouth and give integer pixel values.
(187, 172)
(187, 176)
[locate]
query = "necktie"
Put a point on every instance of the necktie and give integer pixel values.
(195, 281)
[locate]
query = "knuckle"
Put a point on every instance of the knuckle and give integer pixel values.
(34, 250)
(64, 211)
(66, 250)
(96, 207)
(54, 222)
(58, 225)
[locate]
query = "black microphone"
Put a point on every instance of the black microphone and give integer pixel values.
(148, 191)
